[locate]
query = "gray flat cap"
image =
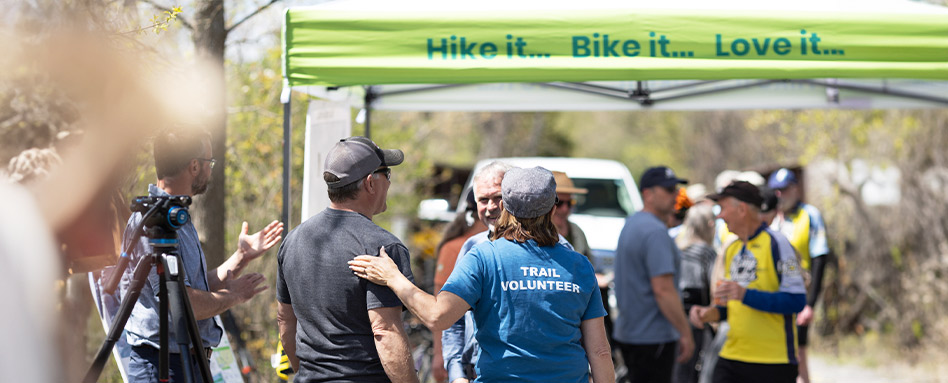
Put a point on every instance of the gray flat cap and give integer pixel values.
(353, 158)
(528, 193)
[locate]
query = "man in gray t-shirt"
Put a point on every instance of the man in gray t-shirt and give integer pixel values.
(333, 325)
(651, 318)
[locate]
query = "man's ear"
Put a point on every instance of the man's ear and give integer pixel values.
(369, 183)
(646, 194)
(194, 167)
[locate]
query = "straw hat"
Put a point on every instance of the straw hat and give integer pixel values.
(565, 185)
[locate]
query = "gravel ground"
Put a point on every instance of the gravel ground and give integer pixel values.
(827, 369)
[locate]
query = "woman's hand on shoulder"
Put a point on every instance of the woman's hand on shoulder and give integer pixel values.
(379, 270)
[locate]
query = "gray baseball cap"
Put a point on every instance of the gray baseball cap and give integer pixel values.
(528, 193)
(353, 158)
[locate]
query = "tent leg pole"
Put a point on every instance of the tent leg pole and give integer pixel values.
(368, 121)
(287, 141)
(367, 102)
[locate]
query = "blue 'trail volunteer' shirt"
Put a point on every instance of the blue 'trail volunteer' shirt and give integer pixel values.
(528, 303)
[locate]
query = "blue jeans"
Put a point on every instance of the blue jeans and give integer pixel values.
(143, 366)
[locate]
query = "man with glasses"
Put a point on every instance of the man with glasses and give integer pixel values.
(350, 330)
(651, 320)
(183, 162)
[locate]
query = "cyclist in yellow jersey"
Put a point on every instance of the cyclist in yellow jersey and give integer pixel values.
(763, 291)
(803, 225)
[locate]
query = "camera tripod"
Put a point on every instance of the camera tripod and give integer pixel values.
(171, 294)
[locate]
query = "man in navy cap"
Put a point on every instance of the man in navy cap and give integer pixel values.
(652, 320)
(349, 330)
(803, 225)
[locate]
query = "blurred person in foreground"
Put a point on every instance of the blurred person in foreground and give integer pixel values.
(183, 162)
(652, 321)
(762, 288)
(803, 225)
(120, 104)
(90, 243)
(32, 261)
(697, 261)
(465, 224)
(333, 325)
(536, 302)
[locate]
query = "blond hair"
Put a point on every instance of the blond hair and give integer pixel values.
(698, 227)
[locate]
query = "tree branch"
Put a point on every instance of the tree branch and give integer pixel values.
(163, 8)
(140, 45)
(252, 14)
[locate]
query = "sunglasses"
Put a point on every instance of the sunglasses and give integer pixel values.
(385, 171)
(569, 202)
(211, 160)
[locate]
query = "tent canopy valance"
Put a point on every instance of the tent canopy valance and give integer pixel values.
(511, 55)
(368, 42)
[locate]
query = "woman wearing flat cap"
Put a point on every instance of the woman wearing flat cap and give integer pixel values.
(536, 303)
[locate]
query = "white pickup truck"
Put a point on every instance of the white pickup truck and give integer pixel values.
(601, 213)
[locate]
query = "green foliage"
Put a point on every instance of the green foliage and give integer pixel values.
(896, 254)
(160, 22)
(254, 184)
(917, 329)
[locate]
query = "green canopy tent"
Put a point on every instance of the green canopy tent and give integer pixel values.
(607, 54)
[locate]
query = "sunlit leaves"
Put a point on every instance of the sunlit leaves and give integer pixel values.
(159, 22)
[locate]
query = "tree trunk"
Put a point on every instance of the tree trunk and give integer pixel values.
(209, 36)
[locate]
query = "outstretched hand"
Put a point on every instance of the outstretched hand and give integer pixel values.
(253, 245)
(246, 286)
(379, 270)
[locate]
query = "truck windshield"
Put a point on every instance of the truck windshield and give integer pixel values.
(607, 198)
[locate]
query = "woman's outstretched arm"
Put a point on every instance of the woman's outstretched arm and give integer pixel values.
(437, 313)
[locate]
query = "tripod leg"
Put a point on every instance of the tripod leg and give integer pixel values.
(184, 320)
(139, 276)
(186, 366)
(163, 361)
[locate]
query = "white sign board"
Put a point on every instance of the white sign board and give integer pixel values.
(326, 123)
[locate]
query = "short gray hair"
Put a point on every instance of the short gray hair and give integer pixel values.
(495, 169)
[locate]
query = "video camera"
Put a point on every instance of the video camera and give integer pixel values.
(168, 212)
(162, 216)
